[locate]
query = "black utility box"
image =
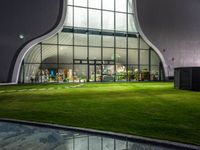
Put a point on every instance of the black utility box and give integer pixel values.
(187, 78)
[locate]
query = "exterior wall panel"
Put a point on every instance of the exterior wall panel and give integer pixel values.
(173, 26)
(29, 18)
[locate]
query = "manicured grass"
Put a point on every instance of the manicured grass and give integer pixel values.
(147, 109)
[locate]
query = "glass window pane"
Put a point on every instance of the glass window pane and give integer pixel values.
(66, 38)
(133, 42)
(154, 58)
(121, 65)
(133, 57)
(95, 19)
(95, 72)
(130, 6)
(131, 23)
(95, 4)
(121, 73)
(121, 56)
(95, 53)
(154, 73)
(108, 54)
(69, 17)
(80, 3)
(144, 73)
(144, 57)
(80, 75)
(80, 17)
(108, 76)
(65, 74)
(69, 2)
(133, 73)
(80, 39)
(144, 67)
(121, 5)
(49, 73)
(108, 4)
(143, 44)
(121, 42)
(32, 73)
(49, 54)
(80, 52)
(108, 41)
(94, 40)
(51, 40)
(121, 22)
(34, 55)
(65, 54)
(108, 20)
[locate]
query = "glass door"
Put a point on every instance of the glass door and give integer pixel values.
(95, 73)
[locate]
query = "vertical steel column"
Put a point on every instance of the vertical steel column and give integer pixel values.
(127, 74)
(73, 142)
(23, 71)
(73, 39)
(88, 69)
(41, 49)
(95, 70)
(160, 71)
(150, 64)
(114, 40)
(101, 41)
(101, 143)
(139, 54)
(57, 56)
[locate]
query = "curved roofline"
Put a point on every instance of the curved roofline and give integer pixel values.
(137, 23)
(31, 44)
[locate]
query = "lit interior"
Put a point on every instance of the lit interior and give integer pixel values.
(99, 43)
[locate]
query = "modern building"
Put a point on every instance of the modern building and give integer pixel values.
(90, 41)
(99, 42)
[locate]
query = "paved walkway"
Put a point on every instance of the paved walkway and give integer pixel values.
(42, 89)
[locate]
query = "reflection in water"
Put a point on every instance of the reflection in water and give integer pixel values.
(24, 137)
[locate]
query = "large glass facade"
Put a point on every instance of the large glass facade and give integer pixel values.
(99, 43)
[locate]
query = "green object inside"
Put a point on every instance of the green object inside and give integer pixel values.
(150, 109)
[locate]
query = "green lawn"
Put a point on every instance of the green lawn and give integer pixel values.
(147, 109)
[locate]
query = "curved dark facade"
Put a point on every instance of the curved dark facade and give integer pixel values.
(173, 27)
(29, 18)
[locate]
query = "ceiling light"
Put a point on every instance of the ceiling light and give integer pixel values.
(21, 36)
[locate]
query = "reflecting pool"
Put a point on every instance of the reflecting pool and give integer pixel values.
(25, 137)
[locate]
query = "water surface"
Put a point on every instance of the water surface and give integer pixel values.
(25, 137)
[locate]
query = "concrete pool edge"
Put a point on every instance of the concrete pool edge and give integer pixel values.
(139, 139)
